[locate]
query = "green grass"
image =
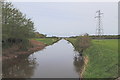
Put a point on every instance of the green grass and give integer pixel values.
(103, 59)
(72, 40)
(47, 41)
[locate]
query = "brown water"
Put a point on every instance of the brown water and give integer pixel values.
(55, 61)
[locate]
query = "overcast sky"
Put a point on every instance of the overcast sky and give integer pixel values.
(70, 18)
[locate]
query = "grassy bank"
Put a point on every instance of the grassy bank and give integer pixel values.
(71, 40)
(103, 59)
(47, 41)
(36, 45)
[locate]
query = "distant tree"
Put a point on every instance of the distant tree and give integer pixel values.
(38, 35)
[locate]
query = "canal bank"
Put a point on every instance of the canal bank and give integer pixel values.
(14, 51)
(54, 61)
(85, 58)
(101, 58)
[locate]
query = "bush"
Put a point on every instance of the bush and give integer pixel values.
(82, 43)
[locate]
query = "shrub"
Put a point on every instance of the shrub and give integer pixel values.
(82, 43)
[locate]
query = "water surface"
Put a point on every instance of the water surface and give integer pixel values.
(55, 61)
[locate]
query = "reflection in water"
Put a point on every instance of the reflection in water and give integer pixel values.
(56, 61)
(78, 63)
(20, 68)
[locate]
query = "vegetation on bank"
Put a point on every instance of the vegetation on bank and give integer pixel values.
(47, 41)
(18, 33)
(80, 43)
(17, 29)
(103, 58)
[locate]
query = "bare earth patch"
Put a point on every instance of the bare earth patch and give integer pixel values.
(84, 66)
(15, 52)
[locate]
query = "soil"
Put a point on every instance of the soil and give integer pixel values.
(85, 65)
(15, 52)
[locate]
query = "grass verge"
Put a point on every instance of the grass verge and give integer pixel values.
(103, 59)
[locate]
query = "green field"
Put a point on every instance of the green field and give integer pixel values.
(103, 59)
(47, 41)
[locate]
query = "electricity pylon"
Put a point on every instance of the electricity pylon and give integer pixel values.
(99, 29)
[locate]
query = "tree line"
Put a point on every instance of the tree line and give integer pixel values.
(101, 37)
(15, 24)
(16, 27)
